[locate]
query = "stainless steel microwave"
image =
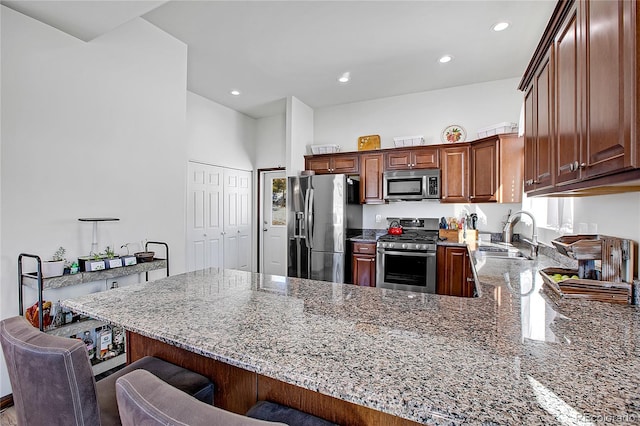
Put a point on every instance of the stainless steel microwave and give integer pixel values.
(412, 185)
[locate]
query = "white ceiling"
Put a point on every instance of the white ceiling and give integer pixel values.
(270, 50)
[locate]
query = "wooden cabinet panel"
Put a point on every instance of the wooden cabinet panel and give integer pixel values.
(567, 102)
(485, 167)
(364, 264)
(543, 127)
(454, 184)
(345, 164)
(455, 276)
(608, 146)
(364, 270)
(333, 163)
(510, 168)
(397, 160)
(371, 166)
(320, 165)
(425, 158)
(530, 154)
(415, 158)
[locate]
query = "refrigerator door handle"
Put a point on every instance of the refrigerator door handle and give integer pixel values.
(308, 202)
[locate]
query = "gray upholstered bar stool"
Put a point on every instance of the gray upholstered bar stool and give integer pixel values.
(52, 380)
(144, 399)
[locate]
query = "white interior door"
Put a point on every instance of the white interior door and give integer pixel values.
(273, 241)
(237, 219)
(204, 216)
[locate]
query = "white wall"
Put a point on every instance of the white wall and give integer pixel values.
(270, 140)
(218, 135)
(491, 216)
(299, 134)
(427, 113)
(89, 130)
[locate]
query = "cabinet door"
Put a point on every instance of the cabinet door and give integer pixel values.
(455, 174)
(454, 272)
(609, 85)
(530, 152)
(425, 158)
(484, 172)
(345, 164)
(544, 130)
(567, 102)
(371, 179)
(320, 165)
(364, 270)
(398, 160)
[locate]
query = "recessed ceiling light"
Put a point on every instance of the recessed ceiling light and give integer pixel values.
(345, 77)
(445, 59)
(235, 92)
(500, 26)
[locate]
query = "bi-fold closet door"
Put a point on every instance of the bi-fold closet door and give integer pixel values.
(218, 217)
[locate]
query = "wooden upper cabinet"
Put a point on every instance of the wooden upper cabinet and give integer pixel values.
(485, 169)
(496, 169)
(333, 163)
(610, 38)
(454, 185)
(582, 101)
(415, 158)
(371, 166)
(567, 101)
(530, 152)
(544, 126)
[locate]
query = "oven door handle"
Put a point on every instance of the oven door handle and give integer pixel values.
(409, 253)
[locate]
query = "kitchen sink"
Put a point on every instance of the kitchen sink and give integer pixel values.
(501, 252)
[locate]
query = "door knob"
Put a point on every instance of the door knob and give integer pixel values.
(265, 229)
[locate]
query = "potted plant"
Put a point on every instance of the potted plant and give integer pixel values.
(55, 266)
(111, 260)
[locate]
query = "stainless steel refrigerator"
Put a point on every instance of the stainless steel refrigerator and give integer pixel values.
(320, 209)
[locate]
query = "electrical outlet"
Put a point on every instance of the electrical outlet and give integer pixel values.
(378, 218)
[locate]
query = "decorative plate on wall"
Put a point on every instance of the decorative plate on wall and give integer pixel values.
(454, 133)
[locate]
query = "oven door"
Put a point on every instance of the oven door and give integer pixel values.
(406, 270)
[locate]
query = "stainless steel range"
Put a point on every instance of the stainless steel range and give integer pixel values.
(408, 261)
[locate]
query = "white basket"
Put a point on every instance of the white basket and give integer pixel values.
(408, 140)
(325, 149)
(498, 129)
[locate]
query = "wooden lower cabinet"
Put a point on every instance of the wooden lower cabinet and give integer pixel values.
(363, 264)
(455, 276)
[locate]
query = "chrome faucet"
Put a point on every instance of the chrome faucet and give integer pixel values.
(507, 232)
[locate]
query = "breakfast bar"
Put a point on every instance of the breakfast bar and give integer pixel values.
(361, 355)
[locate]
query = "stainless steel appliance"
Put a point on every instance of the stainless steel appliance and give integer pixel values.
(411, 185)
(320, 210)
(408, 261)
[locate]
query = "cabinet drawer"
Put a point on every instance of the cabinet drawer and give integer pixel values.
(364, 248)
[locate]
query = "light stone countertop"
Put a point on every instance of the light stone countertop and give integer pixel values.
(512, 356)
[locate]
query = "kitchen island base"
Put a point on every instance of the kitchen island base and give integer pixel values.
(237, 390)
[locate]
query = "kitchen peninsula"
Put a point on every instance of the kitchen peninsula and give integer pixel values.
(510, 356)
